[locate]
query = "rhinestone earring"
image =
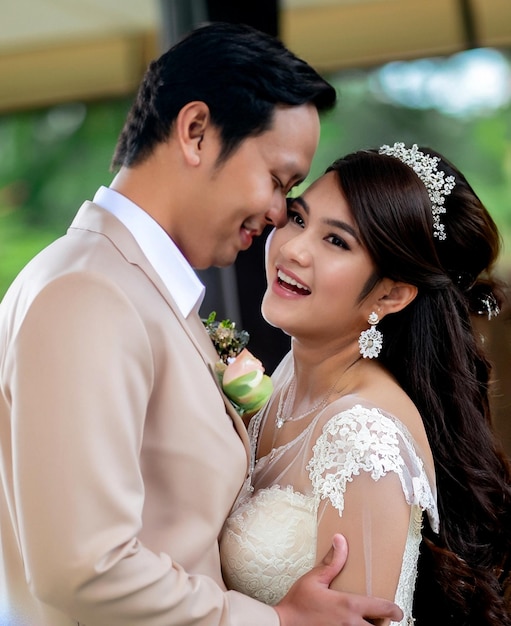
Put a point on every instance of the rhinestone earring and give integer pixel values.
(371, 341)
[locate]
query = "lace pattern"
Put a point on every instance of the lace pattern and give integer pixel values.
(406, 585)
(269, 543)
(366, 440)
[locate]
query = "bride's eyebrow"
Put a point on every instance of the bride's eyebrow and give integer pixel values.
(299, 200)
(343, 226)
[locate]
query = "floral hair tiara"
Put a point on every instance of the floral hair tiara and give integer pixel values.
(437, 184)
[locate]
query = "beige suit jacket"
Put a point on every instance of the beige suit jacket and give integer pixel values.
(119, 459)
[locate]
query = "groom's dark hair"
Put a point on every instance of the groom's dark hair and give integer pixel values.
(238, 71)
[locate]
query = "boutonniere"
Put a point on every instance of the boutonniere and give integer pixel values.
(241, 375)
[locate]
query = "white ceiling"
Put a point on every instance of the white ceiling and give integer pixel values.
(60, 50)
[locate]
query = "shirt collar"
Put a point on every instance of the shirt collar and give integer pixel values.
(163, 254)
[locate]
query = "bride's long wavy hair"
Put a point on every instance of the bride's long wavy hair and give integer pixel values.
(432, 349)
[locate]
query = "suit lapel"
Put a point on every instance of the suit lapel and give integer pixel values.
(198, 331)
(94, 218)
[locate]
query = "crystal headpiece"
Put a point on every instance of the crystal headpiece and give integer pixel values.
(425, 166)
(489, 304)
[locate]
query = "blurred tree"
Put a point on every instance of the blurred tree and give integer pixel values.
(52, 159)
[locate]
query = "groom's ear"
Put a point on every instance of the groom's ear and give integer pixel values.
(191, 124)
(396, 296)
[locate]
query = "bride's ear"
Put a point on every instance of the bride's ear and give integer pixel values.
(396, 296)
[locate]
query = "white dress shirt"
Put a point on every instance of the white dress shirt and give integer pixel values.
(163, 254)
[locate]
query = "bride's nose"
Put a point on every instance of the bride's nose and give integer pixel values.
(297, 249)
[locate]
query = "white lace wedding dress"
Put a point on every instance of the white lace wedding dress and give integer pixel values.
(269, 540)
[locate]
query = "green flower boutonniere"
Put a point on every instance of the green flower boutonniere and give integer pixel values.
(241, 375)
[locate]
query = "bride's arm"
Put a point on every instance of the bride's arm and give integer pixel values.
(360, 462)
(375, 522)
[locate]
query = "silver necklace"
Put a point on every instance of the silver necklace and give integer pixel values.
(286, 402)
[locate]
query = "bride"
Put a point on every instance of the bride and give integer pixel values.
(383, 398)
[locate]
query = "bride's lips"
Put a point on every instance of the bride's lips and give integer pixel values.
(289, 284)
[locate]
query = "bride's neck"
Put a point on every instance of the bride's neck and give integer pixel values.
(316, 371)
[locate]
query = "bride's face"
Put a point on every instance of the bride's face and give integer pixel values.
(317, 269)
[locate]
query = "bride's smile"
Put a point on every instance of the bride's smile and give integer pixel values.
(317, 268)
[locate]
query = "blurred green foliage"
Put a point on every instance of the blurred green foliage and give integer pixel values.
(52, 160)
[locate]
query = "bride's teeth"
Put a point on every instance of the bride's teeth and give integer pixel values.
(290, 281)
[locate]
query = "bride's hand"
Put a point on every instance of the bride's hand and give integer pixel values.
(310, 601)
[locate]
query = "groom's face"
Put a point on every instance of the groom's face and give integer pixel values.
(239, 197)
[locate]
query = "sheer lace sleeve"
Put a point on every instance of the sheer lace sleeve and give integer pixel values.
(372, 487)
(366, 440)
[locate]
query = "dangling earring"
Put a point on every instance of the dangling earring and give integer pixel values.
(371, 341)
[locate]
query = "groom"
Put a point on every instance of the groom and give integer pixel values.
(119, 458)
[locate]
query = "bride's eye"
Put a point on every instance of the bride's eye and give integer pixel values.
(337, 241)
(295, 218)
(293, 215)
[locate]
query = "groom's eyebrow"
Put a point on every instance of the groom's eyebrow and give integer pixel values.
(329, 221)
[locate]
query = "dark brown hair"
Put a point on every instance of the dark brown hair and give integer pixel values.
(241, 73)
(435, 354)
